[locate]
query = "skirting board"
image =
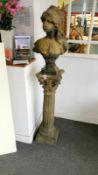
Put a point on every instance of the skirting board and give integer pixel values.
(24, 139)
(28, 138)
(78, 117)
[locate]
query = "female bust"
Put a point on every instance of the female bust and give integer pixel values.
(54, 43)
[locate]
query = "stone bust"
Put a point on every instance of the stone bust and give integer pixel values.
(54, 43)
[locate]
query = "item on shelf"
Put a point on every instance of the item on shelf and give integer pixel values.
(95, 37)
(20, 61)
(22, 54)
(22, 49)
(8, 54)
(77, 48)
(7, 38)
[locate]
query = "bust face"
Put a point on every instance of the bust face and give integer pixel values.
(47, 25)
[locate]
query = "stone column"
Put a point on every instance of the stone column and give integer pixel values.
(47, 132)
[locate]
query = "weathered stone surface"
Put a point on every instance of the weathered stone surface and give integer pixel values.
(48, 136)
(47, 132)
(50, 47)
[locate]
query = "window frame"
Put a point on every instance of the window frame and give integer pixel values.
(89, 41)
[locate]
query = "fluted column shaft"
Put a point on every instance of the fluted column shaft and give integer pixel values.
(48, 109)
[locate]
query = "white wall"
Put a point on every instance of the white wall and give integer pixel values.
(7, 136)
(38, 8)
(77, 96)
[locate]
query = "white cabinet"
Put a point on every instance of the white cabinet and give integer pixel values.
(21, 82)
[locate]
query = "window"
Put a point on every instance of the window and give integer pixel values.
(82, 27)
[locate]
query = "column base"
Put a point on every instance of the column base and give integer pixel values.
(48, 136)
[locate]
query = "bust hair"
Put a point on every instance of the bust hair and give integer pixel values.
(54, 15)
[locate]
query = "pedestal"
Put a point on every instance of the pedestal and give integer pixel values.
(21, 83)
(47, 132)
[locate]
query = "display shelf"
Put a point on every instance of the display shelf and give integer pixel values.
(10, 63)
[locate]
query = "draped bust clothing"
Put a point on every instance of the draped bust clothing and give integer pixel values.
(49, 47)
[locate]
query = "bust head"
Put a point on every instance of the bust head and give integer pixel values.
(52, 18)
